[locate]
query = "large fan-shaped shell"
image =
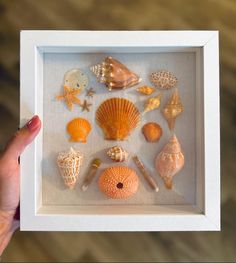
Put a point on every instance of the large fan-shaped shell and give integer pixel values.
(78, 129)
(119, 182)
(117, 117)
(163, 79)
(69, 164)
(170, 161)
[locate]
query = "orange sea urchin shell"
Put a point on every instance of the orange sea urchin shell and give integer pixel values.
(152, 131)
(118, 182)
(78, 129)
(117, 117)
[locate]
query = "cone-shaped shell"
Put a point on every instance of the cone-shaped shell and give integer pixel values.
(163, 79)
(173, 109)
(170, 161)
(117, 154)
(69, 164)
(117, 117)
(153, 103)
(114, 74)
(118, 182)
(146, 90)
(78, 129)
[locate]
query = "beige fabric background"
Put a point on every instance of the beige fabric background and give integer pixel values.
(141, 14)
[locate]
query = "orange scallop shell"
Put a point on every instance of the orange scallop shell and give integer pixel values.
(152, 131)
(118, 182)
(117, 117)
(78, 129)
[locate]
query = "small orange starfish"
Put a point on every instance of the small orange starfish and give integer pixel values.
(69, 96)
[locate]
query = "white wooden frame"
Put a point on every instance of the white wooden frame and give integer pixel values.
(205, 215)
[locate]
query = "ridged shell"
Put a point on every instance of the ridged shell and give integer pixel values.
(78, 129)
(173, 109)
(114, 74)
(118, 182)
(117, 117)
(152, 131)
(153, 103)
(146, 90)
(69, 164)
(117, 154)
(170, 161)
(163, 79)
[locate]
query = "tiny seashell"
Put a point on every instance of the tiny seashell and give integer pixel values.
(76, 79)
(146, 90)
(114, 74)
(117, 154)
(153, 103)
(170, 161)
(69, 164)
(79, 129)
(118, 182)
(163, 79)
(152, 131)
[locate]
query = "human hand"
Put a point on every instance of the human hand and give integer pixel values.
(10, 179)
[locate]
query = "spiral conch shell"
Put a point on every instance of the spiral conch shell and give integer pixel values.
(163, 79)
(173, 109)
(146, 90)
(69, 164)
(114, 74)
(153, 103)
(117, 117)
(117, 154)
(170, 161)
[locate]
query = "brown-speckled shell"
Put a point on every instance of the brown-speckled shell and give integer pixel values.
(163, 79)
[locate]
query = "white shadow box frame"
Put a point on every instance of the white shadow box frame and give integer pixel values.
(204, 214)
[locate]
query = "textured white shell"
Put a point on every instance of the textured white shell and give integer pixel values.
(76, 79)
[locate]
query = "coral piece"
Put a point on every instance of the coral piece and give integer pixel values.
(118, 182)
(146, 90)
(69, 96)
(69, 164)
(117, 154)
(170, 161)
(173, 109)
(153, 103)
(90, 92)
(75, 78)
(163, 79)
(78, 129)
(114, 74)
(85, 106)
(152, 131)
(117, 117)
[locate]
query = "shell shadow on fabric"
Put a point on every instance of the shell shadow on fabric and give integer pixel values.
(79, 129)
(117, 117)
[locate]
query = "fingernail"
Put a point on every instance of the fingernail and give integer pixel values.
(33, 123)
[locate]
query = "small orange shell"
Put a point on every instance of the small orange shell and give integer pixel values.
(118, 182)
(78, 129)
(152, 131)
(146, 90)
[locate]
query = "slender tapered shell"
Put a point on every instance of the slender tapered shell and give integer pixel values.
(146, 90)
(163, 79)
(173, 109)
(152, 103)
(117, 154)
(69, 164)
(114, 74)
(118, 182)
(170, 161)
(117, 117)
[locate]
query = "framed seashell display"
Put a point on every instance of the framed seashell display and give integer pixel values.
(148, 156)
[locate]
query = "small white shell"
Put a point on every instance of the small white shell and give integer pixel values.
(76, 79)
(117, 154)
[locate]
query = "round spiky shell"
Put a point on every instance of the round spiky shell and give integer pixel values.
(163, 79)
(78, 129)
(146, 90)
(117, 117)
(117, 154)
(69, 164)
(118, 182)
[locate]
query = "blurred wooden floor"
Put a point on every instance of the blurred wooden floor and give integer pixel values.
(141, 14)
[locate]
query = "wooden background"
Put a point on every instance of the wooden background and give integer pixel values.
(125, 14)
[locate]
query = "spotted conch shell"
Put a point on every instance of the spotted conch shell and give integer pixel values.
(153, 103)
(69, 164)
(114, 74)
(173, 109)
(117, 154)
(163, 79)
(170, 161)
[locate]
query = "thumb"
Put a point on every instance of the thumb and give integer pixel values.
(22, 138)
